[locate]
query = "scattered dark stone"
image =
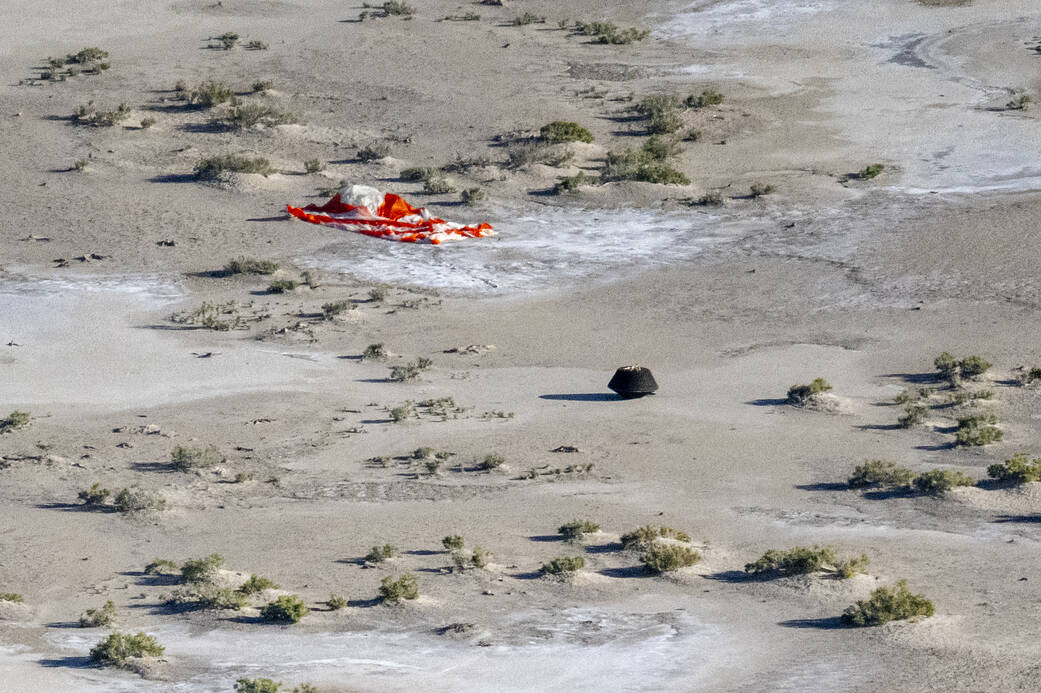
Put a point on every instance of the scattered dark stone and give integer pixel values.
(633, 381)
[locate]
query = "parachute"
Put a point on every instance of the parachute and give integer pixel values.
(384, 215)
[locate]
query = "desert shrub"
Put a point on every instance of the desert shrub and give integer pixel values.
(14, 421)
(256, 46)
(95, 495)
(437, 186)
(914, 414)
(378, 554)
(710, 199)
(80, 165)
(397, 8)
(796, 561)
(871, 171)
(577, 529)
(606, 32)
(105, 615)
(374, 352)
(420, 173)
(211, 167)
(201, 570)
(1018, 469)
(471, 196)
(246, 265)
(395, 590)
(642, 538)
(228, 40)
(281, 286)
(940, 481)
(888, 604)
(973, 366)
(492, 461)
(161, 566)
(147, 122)
(251, 115)
(259, 685)
(87, 56)
(117, 648)
(1026, 376)
(285, 609)
(88, 114)
(135, 500)
(256, 585)
(660, 148)
(952, 368)
(466, 560)
(978, 429)
(479, 557)
(402, 413)
(210, 596)
(637, 165)
(912, 395)
(708, 97)
(185, 459)
(848, 567)
(1020, 102)
(210, 94)
(880, 473)
(13, 597)
(312, 166)
(374, 151)
(408, 372)
(528, 18)
(563, 566)
(336, 602)
(564, 131)
(800, 394)
(570, 184)
(260, 86)
(760, 189)
(331, 310)
(662, 558)
(453, 542)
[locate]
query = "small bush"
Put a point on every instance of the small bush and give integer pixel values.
(256, 585)
(245, 265)
(710, 199)
(420, 174)
(89, 115)
(214, 597)
(467, 560)
(800, 394)
(1026, 376)
(378, 554)
(211, 167)
(662, 558)
(577, 529)
(87, 56)
(760, 189)
(402, 413)
(880, 473)
(251, 115)
(185, 459)
(953, 369)
(202, 570)
(709, 97)
(394, 591)
(563, 566)
(13, 597)
(642, 538)
(529, 153)
(103, 616)
(637, 165)
(914, 414)
(374, 352)
(281, 286)
(973, 366)
(560, 131)
(978, 429)
(117, 648)
(849, 567)
(913, 395)
(286, 609)
(869, 172)
(136, 500)
(800, 560)
(660, 148)
(571, 184)
(453, 542)
(161, 566)
(210, 94)
(147, 122)
(888, 604)
(492, 461)
(374, 151)
(471, 196)
(1020, 102)
(940, 481)
(260, 86)
(228, 40)
(1018, 469)
(528, 18)
(256, 46)
(331, 310)
(95, 495)
(437, 186)
(606, 32)
(336, 602)
(257, 686)
(396, 8)
(312, 166)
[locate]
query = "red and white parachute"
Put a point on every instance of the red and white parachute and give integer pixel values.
(385, 215)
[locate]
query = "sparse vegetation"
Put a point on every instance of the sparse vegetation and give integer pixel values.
(639, 165)
(394, 591)
(978, 429)
(759, 189)
(161, 566)
(437, 186)
(453, 542)
(526, 154)
(118, 648)
(800, 560)
(914, 414)
(642, 538)
(378, 554)
(12, 597)
(285, 609)
(259, 685)
(801, 394)
(871, 171)
(282, 286)
(560, 131)
(336, 602)
(228, 40)
(1026, 376)
(260, 86)
(953, 369)
(708, 97)
(397, 8)
(210, 94)
(88, 114)
(202, 570)
(563, 566)
(939, 481)
(402, 413)
(528, 18)
(147, 122)
(888, 604)
(1018, 469)
(251, 115)
(467, 560)
(185, 459)
(374, 151)
(492, 461)
(1019, 102)
(246, 265)
(332, 309)
(471, 196)
(410, 371)
(374, 352)
(212, 167)
(571, 184)
(312, 166)
(256, 585)
(577, 529)
(136, 500)
(95, 495)
(880, 473)
(212, 316)
(104, 615)
(256, 46)
(663, 558)
(606, 32)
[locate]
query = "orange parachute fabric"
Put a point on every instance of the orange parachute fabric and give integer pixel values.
(393, 218)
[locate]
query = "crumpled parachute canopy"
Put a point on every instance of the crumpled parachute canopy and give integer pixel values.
(367, 210)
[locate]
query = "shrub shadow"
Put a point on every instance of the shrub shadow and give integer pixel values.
(163, 467)
(766, 402)
(546, 537)
(826, 623)
(824, 486)
(63, 624)
(530, 575)
(610, 547)
(585, 397)
(878, 427)
(937, 448)
(365, 603)
(917, 378)
(71, 662)
(731, 576)
(632, 571)
(76, 507)
(887, 493)
(174, 178)
(1028, 519)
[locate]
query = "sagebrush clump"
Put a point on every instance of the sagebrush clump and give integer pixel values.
(394, 591)
(888, 604)
(202, 570)
(212, 167)
(803, 560)
(801, 394)
(104, 615)
(560, 131)
(977, 430)
(1018, 469)
(940, 481)
(563, 566)
(285, 609)
(118, 648)
(881, 473)
(663, 558)
(14, 421)
(642, 538)
(185, 459)
(577, 529)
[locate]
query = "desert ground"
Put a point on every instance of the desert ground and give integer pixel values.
(125, 338)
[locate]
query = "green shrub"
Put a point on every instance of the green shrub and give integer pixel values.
(800, 394)
(394, 591)
(210, 94)
(102, 616)
(405, 411)
(281, 286)
(396, 8)
(662, 558)
(251, 115)
(134, 500)
(161, 566)
(256, 46)
(913, 395)
(1026, 376)
(209, 596)
(87, 56)
(491, 461)
(336, 602)
(377, 294)
(869, 172)
(260, 86)
(888, 604)
(331, 310)
(11, 597)
(978, 429)
(475, 558)
(880, 473)
(228, 40)
(185, 459)
(453, 542)
(147, 122)
(642, 538)
(257, 686)
(201, 570)
(577, 529)
(854, 565)
(374, 352)
(563, 566)
(117, 648)
(211, 167)
(378, 554)
(606, 32)
(95, 495)
(637, 165)
(660, 148)
(471, 196)
(560, 131)
(710, 199)
(1018, 469)
(256, 585)
(420, 174)
(760, 189)
(974, 366)
(410, 371)
(89, 115)
(708, 97)
(940, 481)
(914, 414)
(797, 561)
(374, 151)
(952, 368)
(437, 186)
(570, 184)
(285, 609)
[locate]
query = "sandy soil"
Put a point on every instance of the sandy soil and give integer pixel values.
(862, 282)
